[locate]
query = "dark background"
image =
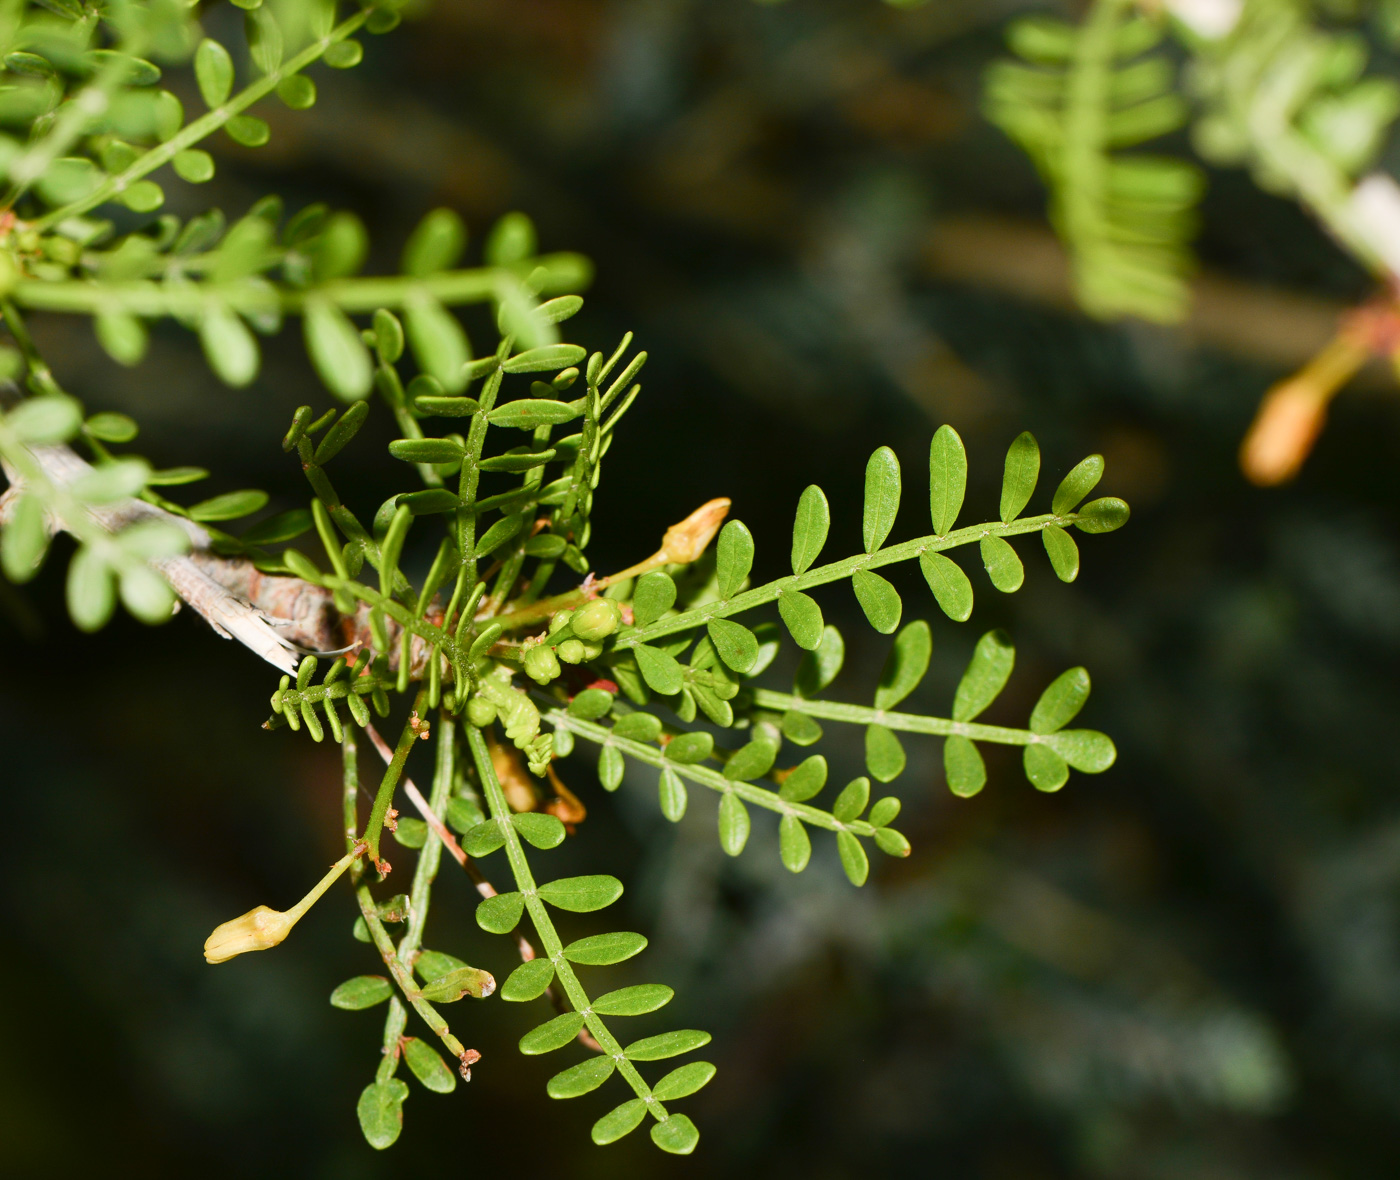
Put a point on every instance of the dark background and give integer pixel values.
(1186, 967)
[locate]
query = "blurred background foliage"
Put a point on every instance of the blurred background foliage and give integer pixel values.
(1186, 967)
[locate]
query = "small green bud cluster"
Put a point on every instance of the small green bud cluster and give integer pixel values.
(574, 637)
(541, 664)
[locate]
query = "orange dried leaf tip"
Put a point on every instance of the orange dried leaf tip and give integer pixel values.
(684, 542)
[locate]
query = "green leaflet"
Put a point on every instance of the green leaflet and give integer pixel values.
(853, 858)
(602, 950)
(653, 597)
(433, 965)
(683, 1082)
(673, 795)
(528, 981)
(339, 435)
(677, 1135)
(752, 760)
(688, 748)
(539, 829)
(483, 839)
(671, 1044)
(947, 479)
(1045, 768)
(466, 981)
(1081, 480)
(1019, 476)
(810, 528)
(794, 845)
(881, 498)
(800, 729)
(622, 1120)
(548, 356)
(638, 727)
(733, 824)
(884, 812)
(805, 780)
(878, 599)
(582, 1078)
(551, 1035)
(851, 801)
(335, 348)
(439, 345)
(951, 588)
(582, 895)
(591, 704)
(428, 1067)
(528, 413)
(500, 914)
(1003, 565)
(364, 991)
(736, 644)
(435, 244)
(1062, 551)
(661, 672)
(1103, 515)
(733, 558)
(962, 763)
(820, 666)
(1061, 701)
(213, 71)
(611, 768)
(884, 756)
(634, 1001)
(892, 843)
(380, 1111)
(803, 618)
(906, 664)
(986, 675)
(1084, 749)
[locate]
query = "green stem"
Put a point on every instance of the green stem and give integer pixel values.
(544, 926)
(392, 774)
(908, 722)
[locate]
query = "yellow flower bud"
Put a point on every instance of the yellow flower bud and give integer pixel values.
(257, 930)
(684, 542)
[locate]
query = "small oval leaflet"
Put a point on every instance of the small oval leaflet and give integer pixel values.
(438, 342)
(688, 748)
(541, 830)
(962, 763)
(884, 755)
(733, 824)
(1103, 515)
(622, 1120)
(805, 780)
(800, 729)
(891, 843)
(603, 950)
(881, 498)
(551, 1035)
(1062, 552)
(736, 644)
(1084, 749)
(229, 506)
(582, 895)
(549, 356)
(810, 528)
(677, 1135)
(466, 981)
(1003, 566)
(673, 795)
(445, 407)
(906, 664)
(661, 671)
(611, 768)
(428, 1067)
(1081, 480)
(364, 991)
(884, 812)
(752, 760)
(427, 450)
(638, 727)
(947, 478)
(582, 1078)
(634, 1001)
(653, 597)
(683, 1082)
(671, 1044)
(1061, 701)
(483, 839)
(500, 914)
(853, 858)
(852, 800)
(591, 704)
(733, 557)
(1046, 770)
(794, 845)
(986, 675)
(528, 413)
(277, 530)
(519, 461)
(878, 599)
(380, 1111)
(1019, 476)
(338, 436)
(528, 981)
(820, 666)
(334, 345)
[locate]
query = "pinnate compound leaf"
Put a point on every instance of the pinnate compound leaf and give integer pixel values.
(1102, 516)
(380, 1109)
(620, 1121)
(1062, 551)
(805, 780)
(1004, 567)
(664, 1045)
(1081, 480)
(851, 801)
(1045, 768)
(1019, 477)
(673, 795)
(881, 498)
(736, 644)
(582, 895)
(810, 529)
(962, 763)
(853, 858)
(583, 1078)
(500, 914)
(661, 672)
(803, 618)
(752, 760)
(884, 756)
(1084, 749)
(428, 1067)
(677, 1135)
(602, 950)
(634, 1001)
(528, 981)
(733, 824)
(1061, 701)
(794, 845)
(906, 664)
(654, 596)
(878, 599)
(683, 1082)
(947, 479)
(986, 675)
(820, 666)
(364, 991)
(733, 557)
(551, 1035)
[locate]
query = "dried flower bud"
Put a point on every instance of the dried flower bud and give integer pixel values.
(597, 620)
(259, 929)
(684, 542)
